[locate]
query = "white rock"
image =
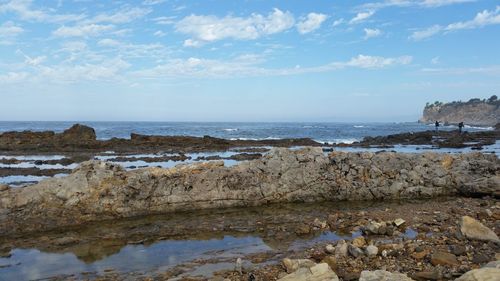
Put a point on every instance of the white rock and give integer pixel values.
(371, 250)
(318, 272)
(292, 265)
(341, 249)
(330, 249)
(382, 275)
(482, 274)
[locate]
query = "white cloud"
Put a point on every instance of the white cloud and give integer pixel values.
(165, 20)
(435, 60)
(153, 2)
(250, 66)
(371, 33)
(24, 9)
(439, 3)
(10, 29)
(34, 61)
(107, 42)
(13, 77)
(192, 43)
(361, 17)
(122, 16)
(481, 19)
(425, 33)
(212, 28)
(159, 33)
(87, 30)
(338, 22)
(363, 61)
(311, 23)
(412, 3)
(488, 70)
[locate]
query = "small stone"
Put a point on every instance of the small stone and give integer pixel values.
(330, 249)
(420, 255)
(331, 261)
(319, 223)
(316, 272)
(4, 187)
(427, 275)
(442, 258)
(341, 249)
(355, 251)
(399, 222)
(382, 275)
(371, 250)
(359, 241)
(458, 250)
(372, 228)
(302, 229)
(292, 265)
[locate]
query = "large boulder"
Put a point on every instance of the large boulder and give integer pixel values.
(482, 274)
(382, 275)
(79, 133)
(475, 230)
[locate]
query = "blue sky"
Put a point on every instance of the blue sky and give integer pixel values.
(254, 60)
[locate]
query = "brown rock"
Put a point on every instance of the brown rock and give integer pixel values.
(426, 275)
(359, 241)
(420, 255)
(442, 258)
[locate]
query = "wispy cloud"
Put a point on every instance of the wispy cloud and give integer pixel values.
(361, 17)
(87, 30)
(481, 19)
(412, 3)
(372, 33)
(25, 11)
(311, 23)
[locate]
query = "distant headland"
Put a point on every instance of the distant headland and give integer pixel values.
(477, 112)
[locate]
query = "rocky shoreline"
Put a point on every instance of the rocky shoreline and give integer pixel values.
(99, 190)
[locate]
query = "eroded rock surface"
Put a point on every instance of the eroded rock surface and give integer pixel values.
(98, 190)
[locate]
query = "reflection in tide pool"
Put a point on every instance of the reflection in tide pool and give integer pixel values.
(28, 264)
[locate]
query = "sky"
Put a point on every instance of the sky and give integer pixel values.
(253, 60)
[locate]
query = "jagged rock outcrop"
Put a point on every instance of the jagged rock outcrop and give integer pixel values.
(474, 112)
(98, 190)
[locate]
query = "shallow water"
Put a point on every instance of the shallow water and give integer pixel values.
(199, 242)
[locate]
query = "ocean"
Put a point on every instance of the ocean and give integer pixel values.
(322, 132)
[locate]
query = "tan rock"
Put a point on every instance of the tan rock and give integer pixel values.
(382, 275)
(359, 241)
(292, 265)
(475, 230)
(482, 274)
(318, 272)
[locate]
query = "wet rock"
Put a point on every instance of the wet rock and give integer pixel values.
(482, 274)
(341, 249)
(355, 251)
(317, 272)
(359, 242)
(382, 275)
(442, 258)
(330, 249)
(292, 265)
(371, 250)
(475, 230)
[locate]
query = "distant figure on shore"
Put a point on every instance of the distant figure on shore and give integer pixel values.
(460, 126)
(437, 125)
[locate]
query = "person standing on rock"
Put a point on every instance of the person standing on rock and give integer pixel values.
(437, 125)
(460, 126)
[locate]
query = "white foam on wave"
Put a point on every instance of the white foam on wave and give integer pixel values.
(338, 141)
(359, 126)
(255, 139)
(230, 129)
(479, 128)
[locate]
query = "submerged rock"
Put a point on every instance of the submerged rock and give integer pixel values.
(475, 230)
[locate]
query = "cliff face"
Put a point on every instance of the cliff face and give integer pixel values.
(474, 112)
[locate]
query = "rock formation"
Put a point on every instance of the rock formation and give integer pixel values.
(98, 190)
(474, 112)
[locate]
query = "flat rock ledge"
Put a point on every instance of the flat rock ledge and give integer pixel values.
(98, 190)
